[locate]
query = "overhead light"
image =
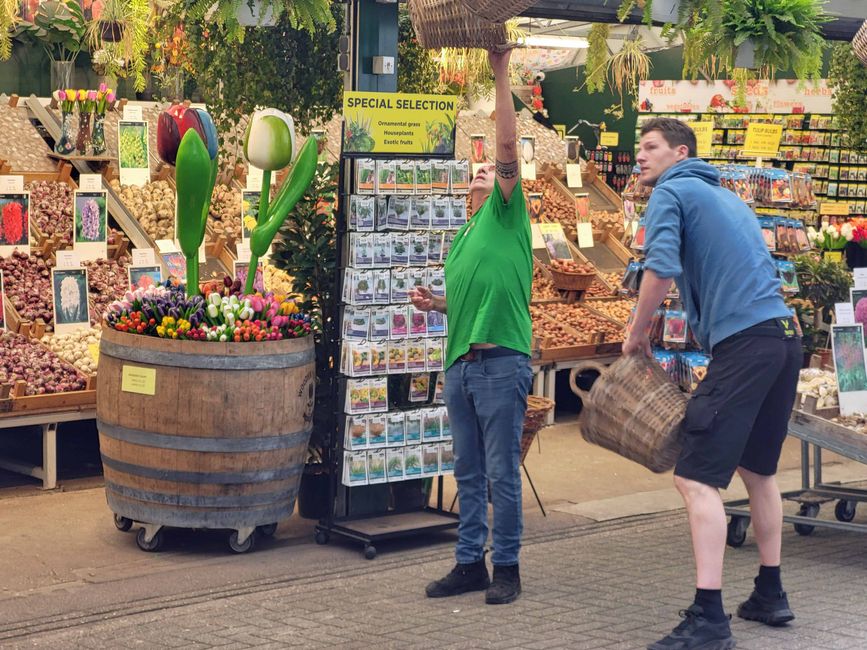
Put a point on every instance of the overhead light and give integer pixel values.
(558, 42)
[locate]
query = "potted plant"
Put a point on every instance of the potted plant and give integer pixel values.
(60, 28)
(121, 34)
(823, 282)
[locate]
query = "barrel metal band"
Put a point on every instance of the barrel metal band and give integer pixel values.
(226, 478)
(193, 443)
(207, 362)
(202, 501)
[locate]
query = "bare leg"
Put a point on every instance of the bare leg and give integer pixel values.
(766, 508)
(707, 523)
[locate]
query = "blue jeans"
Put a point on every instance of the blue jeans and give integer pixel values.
(487, 399)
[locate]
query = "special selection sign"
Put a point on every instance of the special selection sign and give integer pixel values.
(393, 123)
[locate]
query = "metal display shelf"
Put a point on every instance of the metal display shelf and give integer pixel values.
(818, 433)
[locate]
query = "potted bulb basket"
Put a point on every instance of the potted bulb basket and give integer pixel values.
(859, 43)
(447, 23)
(571, 281)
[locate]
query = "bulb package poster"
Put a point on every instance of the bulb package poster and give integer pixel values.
(90, 236)
(14, 223)
(847, 343)
(133, 153)
(71, 308)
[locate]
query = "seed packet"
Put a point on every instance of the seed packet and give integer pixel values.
(396, 435)
(399, 249)
(440, 176)
(356, 323)
(399, 286)
(348, 283)
(417, 276)
(398, 212)
(365, 176)
(769, 233)
(418, 248)
(375, 466)
(394, 464)
(434, 354)
(361, 357)
(419, 385)
(431, 425)
(788, 276)
(792, 234)
(378, 394)
(420, 215)
(381, 213)
(405, 177)
(434, 247)
(423, 176)
(447, 458)
(365, 217)
(357, 396)
(416, 354)
(382, 285)
(361, 250)
(379, 322)
(430, 460)
(398, 325)
(376, 430)
(412, 461)
(459, 212)
(675, 324)
(441, 212)
(386, 177)
(534, 206)
(446, 424)
(781, 188)
(782, 235)
(460, 176)
(356, 432)
(362, 290)
(436, 324)
(382, 249)
(417, 322)
(354, 468)
(413, 427)
(448, 240)
(397, 357)
(640, 233)
(379, 357)
(352, 212)
(436, 280)
(440, 386)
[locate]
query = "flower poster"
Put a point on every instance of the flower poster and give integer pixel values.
(14, 223)
(133, 153)
(90, 234)
(71, 308)
(847, 342)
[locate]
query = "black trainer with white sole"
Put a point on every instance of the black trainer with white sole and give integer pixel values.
(770, 610)
(696, 632)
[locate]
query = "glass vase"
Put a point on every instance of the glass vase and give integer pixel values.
(66, 144)
(97, 139)
(82, 142)
(61, 74)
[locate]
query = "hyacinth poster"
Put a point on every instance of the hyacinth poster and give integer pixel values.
(90, 235)
(847, 342)
(14, 223)
(71, 309)
(133, 153)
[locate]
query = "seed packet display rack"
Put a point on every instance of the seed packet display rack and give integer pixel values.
(373, 290)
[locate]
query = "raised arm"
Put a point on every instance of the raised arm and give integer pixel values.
(507, 149)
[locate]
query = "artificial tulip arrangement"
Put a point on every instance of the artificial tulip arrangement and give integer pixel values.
(831, 237)
(91, 104)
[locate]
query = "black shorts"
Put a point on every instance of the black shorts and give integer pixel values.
(739, 414)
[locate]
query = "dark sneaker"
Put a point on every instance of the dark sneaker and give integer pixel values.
(770, 610)
(695, 632)
(461, 579)
(506, 586)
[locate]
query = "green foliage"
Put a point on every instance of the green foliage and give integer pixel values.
(848, 77)
(133, 16)
(307, 15)
(823, 283)
(8, 19)
(417, 71)
(596, 66)
(59, 26)
(626, 7)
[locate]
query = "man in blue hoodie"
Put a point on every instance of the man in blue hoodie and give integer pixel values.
(708, 241)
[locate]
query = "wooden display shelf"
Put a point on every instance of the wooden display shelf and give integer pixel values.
(13, 398)
(104, 160)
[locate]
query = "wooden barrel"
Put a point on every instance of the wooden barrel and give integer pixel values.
(203, 434)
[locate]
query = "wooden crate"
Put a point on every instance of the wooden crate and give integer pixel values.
(550, 352)
(14, 400)
(537, 263)
(38, 240)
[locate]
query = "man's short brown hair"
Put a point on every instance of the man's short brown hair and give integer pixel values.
(674, 132)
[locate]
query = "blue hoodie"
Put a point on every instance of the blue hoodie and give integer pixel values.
(710, 242)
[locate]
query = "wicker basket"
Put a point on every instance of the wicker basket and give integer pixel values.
(498, 11)
(634, 410)
(571, 281)
(859, 43)
(534, 419)
(447, 23)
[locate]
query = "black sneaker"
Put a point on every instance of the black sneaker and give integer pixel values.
(460, 580)
(695, 632)
(770, 610)
(506, 586)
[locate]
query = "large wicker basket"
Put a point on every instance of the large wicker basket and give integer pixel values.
(498, 11)
(634, 410)
(859, 43)
(534, 419)
(447, 23)
(571, 281)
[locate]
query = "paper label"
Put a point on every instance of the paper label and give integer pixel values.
(703, 137)
(585, 235)
(573, 176)
(90, 183)
(860, 277)
(134, 156)
(166, 246)
(834, 209)
(67, 260)
(538, 241)
(93, 349)
(762, 140)
(135, 379)
(12, 184)
(244, 252)
(609, 139)
(133, 113)
(528, 171)
(143, 257)
(845, 313)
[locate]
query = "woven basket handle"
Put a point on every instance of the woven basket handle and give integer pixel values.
(587, 365)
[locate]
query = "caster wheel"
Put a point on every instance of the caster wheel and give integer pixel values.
(807, 510)
(238, 547)
(122, 523)
(322, 537)
(736, 534)
(268, 530)
(153, 546)
(845, 510)
(369, 552)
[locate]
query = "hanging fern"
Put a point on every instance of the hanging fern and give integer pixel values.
(848, 77)
(596, 65)
(8, 19)
(626, 7)
(627, 68)
(304, 15)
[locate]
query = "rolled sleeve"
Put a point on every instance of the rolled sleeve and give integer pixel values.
(664, 223)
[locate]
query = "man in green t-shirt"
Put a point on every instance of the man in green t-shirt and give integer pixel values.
(489, 273)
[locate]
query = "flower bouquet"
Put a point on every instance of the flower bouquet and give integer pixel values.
(831, 237)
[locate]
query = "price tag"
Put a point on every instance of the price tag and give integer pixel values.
(703, 137)
(528, 171)
(90, 183)
(585, 235)
(538, 241)
(860, 277)
(12, 184)
(834, 209)
(67, 260)
(244, 253)
(845, 313)
(573, 176)
(833, 256)
(132, 113)
(135, 379)
(166, 246)
(143, 257)
(762, 140)
(254, 178)
(609, 139)
(93, 349)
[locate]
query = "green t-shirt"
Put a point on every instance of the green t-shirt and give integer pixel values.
(489, 275)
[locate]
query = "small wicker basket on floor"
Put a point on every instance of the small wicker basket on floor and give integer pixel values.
(534, 420)
(447, 23)
(859, 43)
(571, 281)
(633, 409)
(498, 11)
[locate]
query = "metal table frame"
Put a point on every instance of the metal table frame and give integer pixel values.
(47, 472)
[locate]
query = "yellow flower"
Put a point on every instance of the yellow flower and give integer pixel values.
(161, 331)
(82, 95)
